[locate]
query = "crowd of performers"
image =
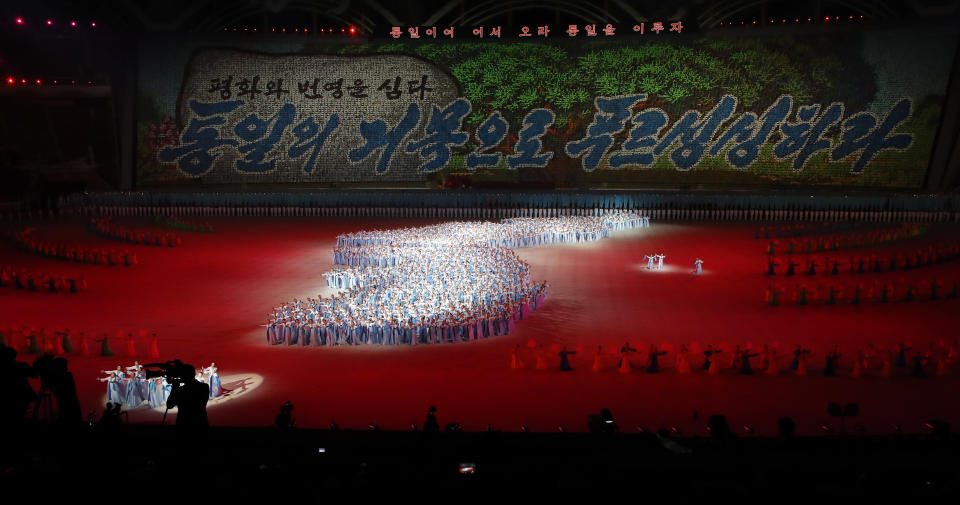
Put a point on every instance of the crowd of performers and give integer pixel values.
(446, 283)
(28, 280)
(931, 255)
(130, 387)
(838, 242)
(936, 359)
(92, 256)
(65, 342)
(107, 228)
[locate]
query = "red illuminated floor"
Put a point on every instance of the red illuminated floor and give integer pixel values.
(208, 298)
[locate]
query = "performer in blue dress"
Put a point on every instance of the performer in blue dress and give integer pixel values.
(134, 395)
(660, 261)
(155, 393)
(213, 379)
(113, 386)
(698, 266)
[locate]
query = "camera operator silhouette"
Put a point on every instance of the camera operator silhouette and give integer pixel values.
(187, 394)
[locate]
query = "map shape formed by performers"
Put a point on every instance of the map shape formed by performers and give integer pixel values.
(444, 283)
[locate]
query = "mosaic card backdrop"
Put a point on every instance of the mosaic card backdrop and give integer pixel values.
(856, 109)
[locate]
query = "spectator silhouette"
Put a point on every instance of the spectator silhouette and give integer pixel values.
(284, 419)
(111, 417)
(15, 391)
(430, 425)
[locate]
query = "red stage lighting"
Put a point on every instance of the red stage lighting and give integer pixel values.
(73, 24)
(343, 30)
(38, 81)
(23, 81)
(49, 22)
(93, 24)
(353, 30)
(826, 18)
(11, 80)
(19, 21)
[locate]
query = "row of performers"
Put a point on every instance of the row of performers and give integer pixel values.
(130, 386)
(91, 256)
(292, 331)
(867, 264)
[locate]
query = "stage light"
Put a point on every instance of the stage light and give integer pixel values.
(54, 81)
(38, 81)
(93, 24)
(49, 22)
(354, 30)
(305, 30)
(296, 29)
(851, 17)
(343, 30)
(19, 21)
(826, 18)
(284, 30)
(73, 24)
(11, 80)
(23, 81)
